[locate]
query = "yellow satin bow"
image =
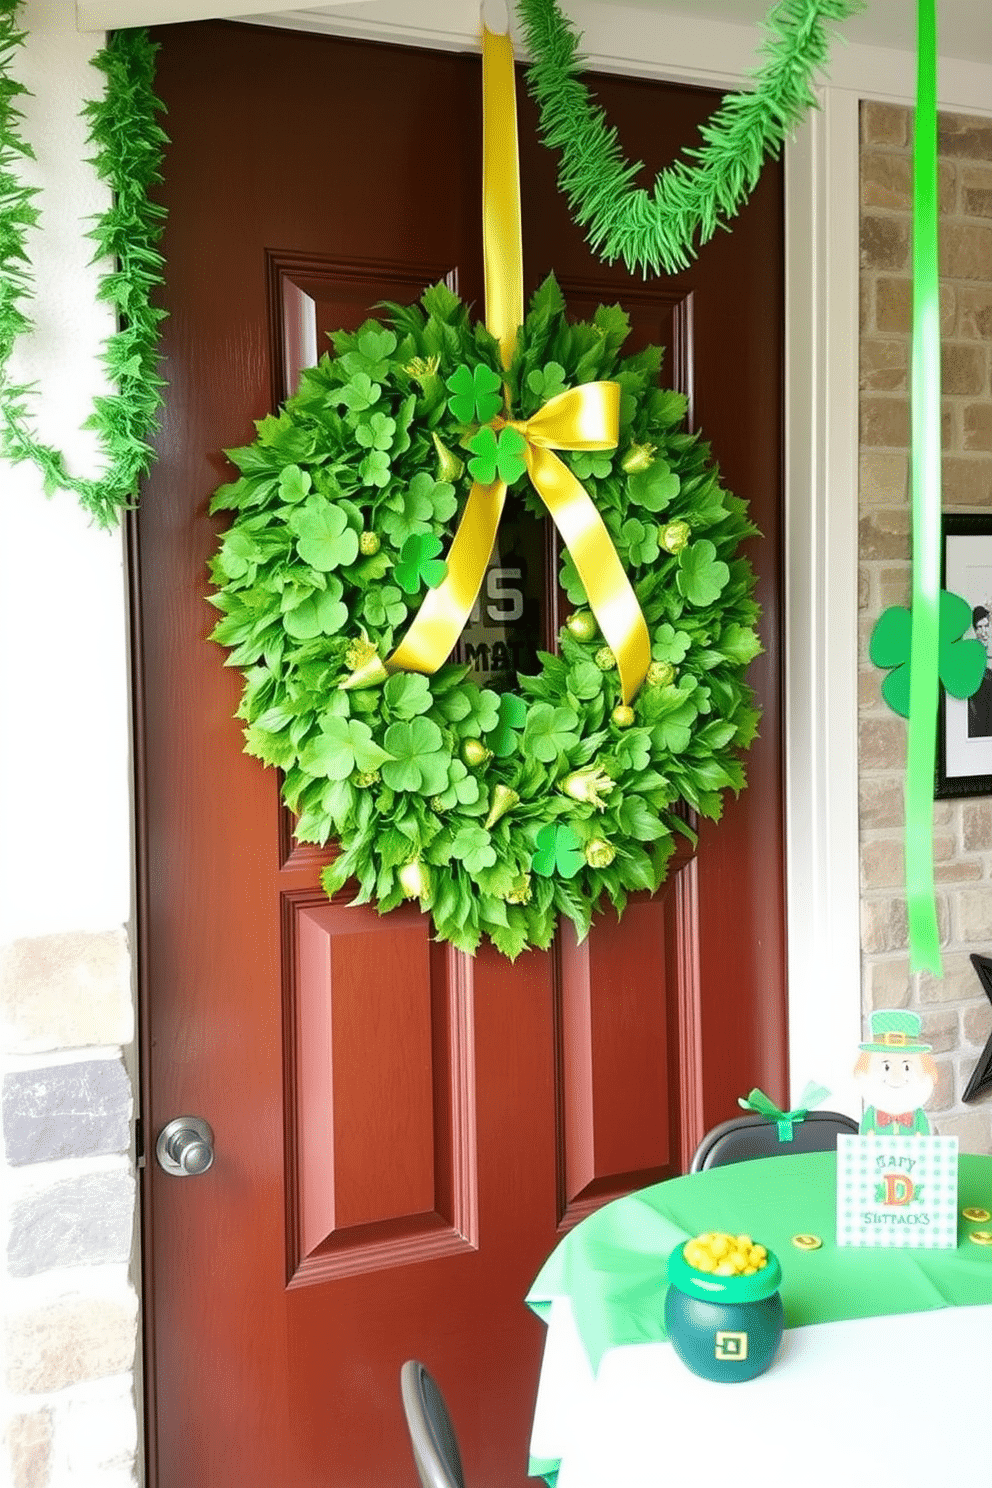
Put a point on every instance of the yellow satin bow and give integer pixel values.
(582, 418)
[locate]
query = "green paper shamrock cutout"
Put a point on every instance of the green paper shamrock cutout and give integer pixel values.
(558, 849)
(505, 737)
(502, 457)
(419, 563)
(960, 663)
(476, 394)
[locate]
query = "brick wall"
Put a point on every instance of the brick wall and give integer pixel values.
(957, 1016)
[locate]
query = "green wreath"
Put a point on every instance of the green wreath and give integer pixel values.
(498, 813)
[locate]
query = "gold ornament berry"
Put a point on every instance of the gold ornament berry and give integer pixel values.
(660, 674)
(605, 659)
(599, 853)
(582, 625)
(369, 544)
(475, 753)
(674, 537)
(623, 715)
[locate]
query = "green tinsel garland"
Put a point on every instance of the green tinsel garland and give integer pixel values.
(128, 157)
(693, 196)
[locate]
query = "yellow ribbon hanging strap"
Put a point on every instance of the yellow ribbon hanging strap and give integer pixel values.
(502, 240)
(583, 418)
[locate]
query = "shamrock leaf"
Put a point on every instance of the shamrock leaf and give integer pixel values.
(408, 694)
(550, 731)
(597, 463)
(383, 606)
(701, 575)
(960, 664)
(473, 848)
(239, 555)
(641, 541)
(374, 469)
(559, 850)
(324, 539)
(376, 433)
(494, 457)
(655, 487)
(669, 644)
(419, 563)
(418, 507)
(547, 382)
(343, 745)
(358, 394)
(370, 354)
(419, 760)
(294, 484)
(322, 613)
(462, 790)
(505, 738)
(477, 395)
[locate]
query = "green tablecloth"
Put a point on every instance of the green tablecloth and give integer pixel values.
(612, 1266)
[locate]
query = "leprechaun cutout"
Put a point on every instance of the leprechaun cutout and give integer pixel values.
(897, 1075)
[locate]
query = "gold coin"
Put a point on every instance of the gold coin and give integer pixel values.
(979, 1216)
(981, 1237)
(807, 1242)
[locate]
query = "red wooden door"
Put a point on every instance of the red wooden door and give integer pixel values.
(402, 1132)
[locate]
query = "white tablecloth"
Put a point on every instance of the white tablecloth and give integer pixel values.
(903, 1401)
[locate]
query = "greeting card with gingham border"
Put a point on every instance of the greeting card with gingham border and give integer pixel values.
(897, 1191)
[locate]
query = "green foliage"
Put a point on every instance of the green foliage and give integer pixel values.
(498, 813)
(128, 150)
(658, 230)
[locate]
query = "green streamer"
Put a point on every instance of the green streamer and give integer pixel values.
(924, 938)
(659, 230)
(128, 145)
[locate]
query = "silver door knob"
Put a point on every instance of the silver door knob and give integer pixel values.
(185, 1147)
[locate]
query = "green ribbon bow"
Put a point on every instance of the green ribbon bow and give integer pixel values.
(757, 1100)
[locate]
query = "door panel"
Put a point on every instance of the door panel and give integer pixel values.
(402, 1131)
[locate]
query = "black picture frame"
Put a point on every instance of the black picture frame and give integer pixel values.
(964, 726)
(981, 1076)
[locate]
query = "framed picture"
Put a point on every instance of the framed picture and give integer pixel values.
(964, 725)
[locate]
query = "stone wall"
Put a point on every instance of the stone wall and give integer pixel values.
(70, 1325)
(957, 1017)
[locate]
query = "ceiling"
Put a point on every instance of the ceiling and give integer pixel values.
(964, 26)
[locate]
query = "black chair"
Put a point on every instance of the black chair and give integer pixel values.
(749, 1135)
(432, 1436)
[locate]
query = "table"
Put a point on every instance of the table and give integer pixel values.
(866, 1332)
